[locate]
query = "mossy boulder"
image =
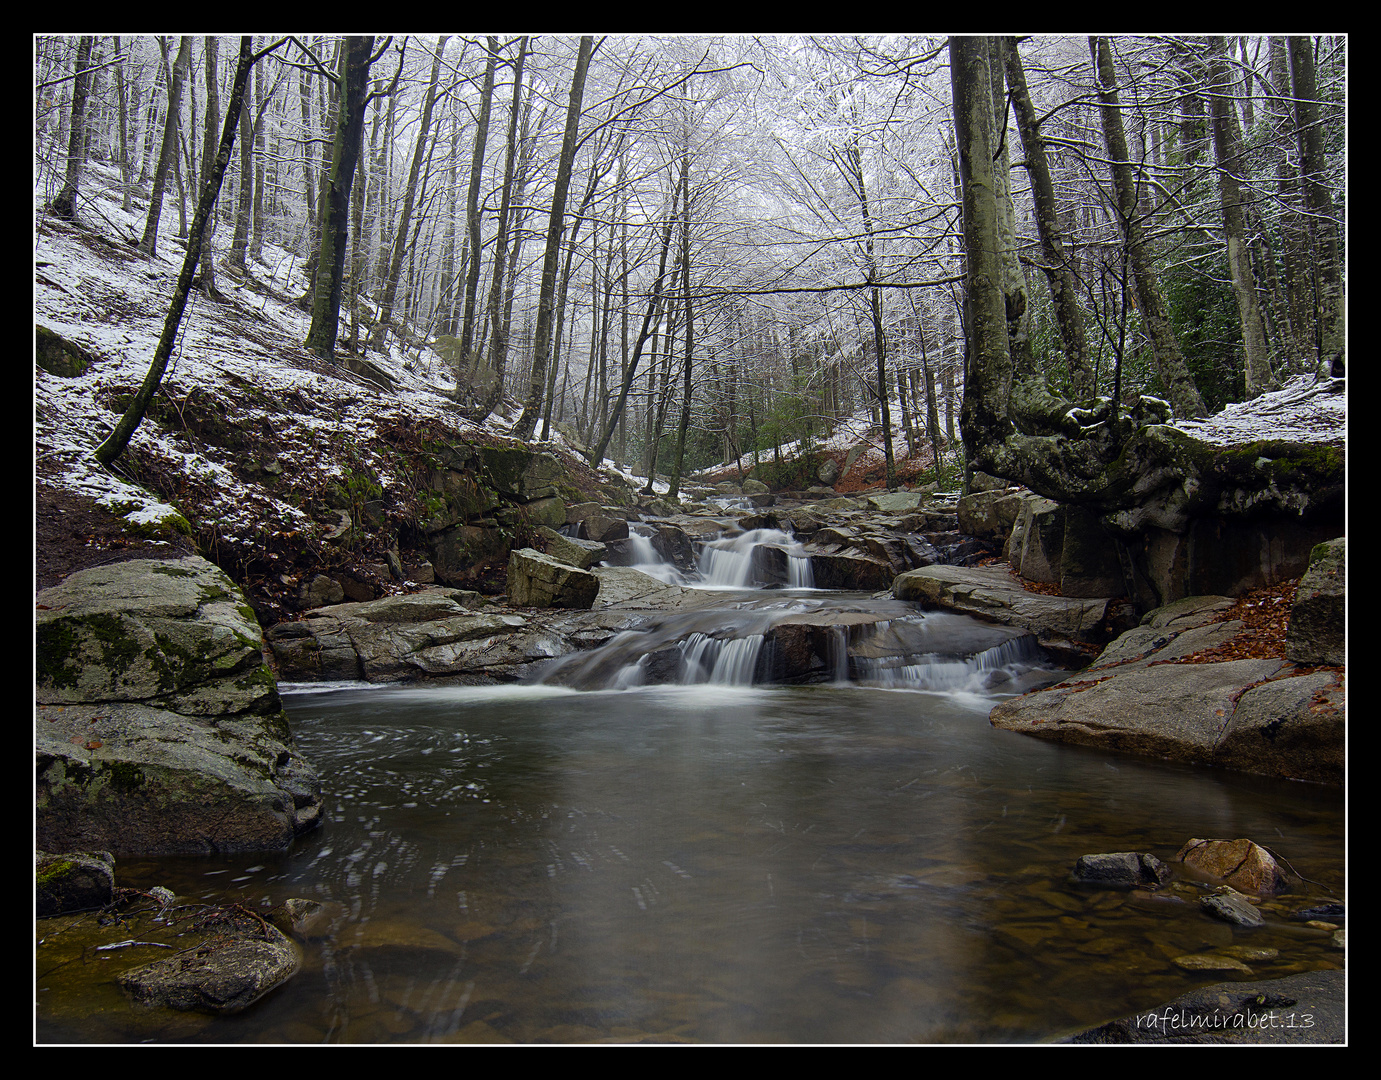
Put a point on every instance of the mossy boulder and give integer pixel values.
(58, 356)
(159, 727)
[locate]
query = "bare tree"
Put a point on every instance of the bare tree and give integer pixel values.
(541, 353)
(115, 444)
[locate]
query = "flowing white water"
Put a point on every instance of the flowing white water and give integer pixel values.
(754, 558)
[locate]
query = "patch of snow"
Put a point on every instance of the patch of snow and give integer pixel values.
(1305, 409)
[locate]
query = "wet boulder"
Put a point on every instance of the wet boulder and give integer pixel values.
(74, 881)
(1318, 627)
(537, 580)
(1122, 869)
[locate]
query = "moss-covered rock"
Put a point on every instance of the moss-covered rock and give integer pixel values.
(58, 356)
(159, 726)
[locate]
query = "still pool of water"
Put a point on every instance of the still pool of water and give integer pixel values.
(724, 864)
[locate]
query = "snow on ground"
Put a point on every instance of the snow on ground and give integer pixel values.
(94, 288)
(1305, 409)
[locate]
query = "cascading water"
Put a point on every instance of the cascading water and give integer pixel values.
(754, 558)
(730, 662)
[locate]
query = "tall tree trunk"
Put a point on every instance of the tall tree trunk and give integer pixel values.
(988, 375)
(65, 205)
(498, 336)
(542, 345)
(1227, 147)
(1055, 264)
(115, 445)
(684, 426)
(400, 236)
(321, 336)
(1174, 373)
(1330, 337)
(126, 166)
(472, 210)
(208, 158)
(166, 156)
(631, 370)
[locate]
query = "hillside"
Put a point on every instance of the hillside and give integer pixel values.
(253, 445)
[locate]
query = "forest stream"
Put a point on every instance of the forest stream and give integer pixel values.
(864, 860)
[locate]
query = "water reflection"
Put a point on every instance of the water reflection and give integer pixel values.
(735, 864)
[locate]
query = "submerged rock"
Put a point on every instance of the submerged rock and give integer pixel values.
(1241, 863)
(238, 961)
(1122, 869)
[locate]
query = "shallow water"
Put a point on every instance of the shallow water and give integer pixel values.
(727, 864)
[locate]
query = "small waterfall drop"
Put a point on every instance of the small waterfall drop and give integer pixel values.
(755, 558)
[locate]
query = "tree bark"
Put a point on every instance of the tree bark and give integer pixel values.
(321, 337)
(1227, 147)
(65, 205)
(115, 445)
(166, 156)
(1174, 373)
(988, 376)
(541, 352)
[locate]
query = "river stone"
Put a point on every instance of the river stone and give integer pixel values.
(895, 502)
(1241, 863)
(1122, 869)
(1231, 906)
(1318, 626)
(992, 594)
(581, 554)
(73, 881)
(602, 527)
(537, 580)
(234, 967)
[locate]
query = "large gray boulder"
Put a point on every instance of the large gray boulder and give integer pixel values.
(1141, 697)
(1318, 619)
(158, 726)
(537, 580)
(992, 593)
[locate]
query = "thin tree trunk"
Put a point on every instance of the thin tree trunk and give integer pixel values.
(167, 156)
(65, 205)
(1174, 373)
(1330, 317)
(630, 372)
(1227, 147)
(321, 336)
(115, 445)
(498, 338)
(126, 166)
(472, 212)
(400, 237)
(1063, 291)
(542, 345)
(683, 427)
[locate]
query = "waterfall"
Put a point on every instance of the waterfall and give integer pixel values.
(720, 663)
(755, 558)
(936, 671)
(646, 558)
